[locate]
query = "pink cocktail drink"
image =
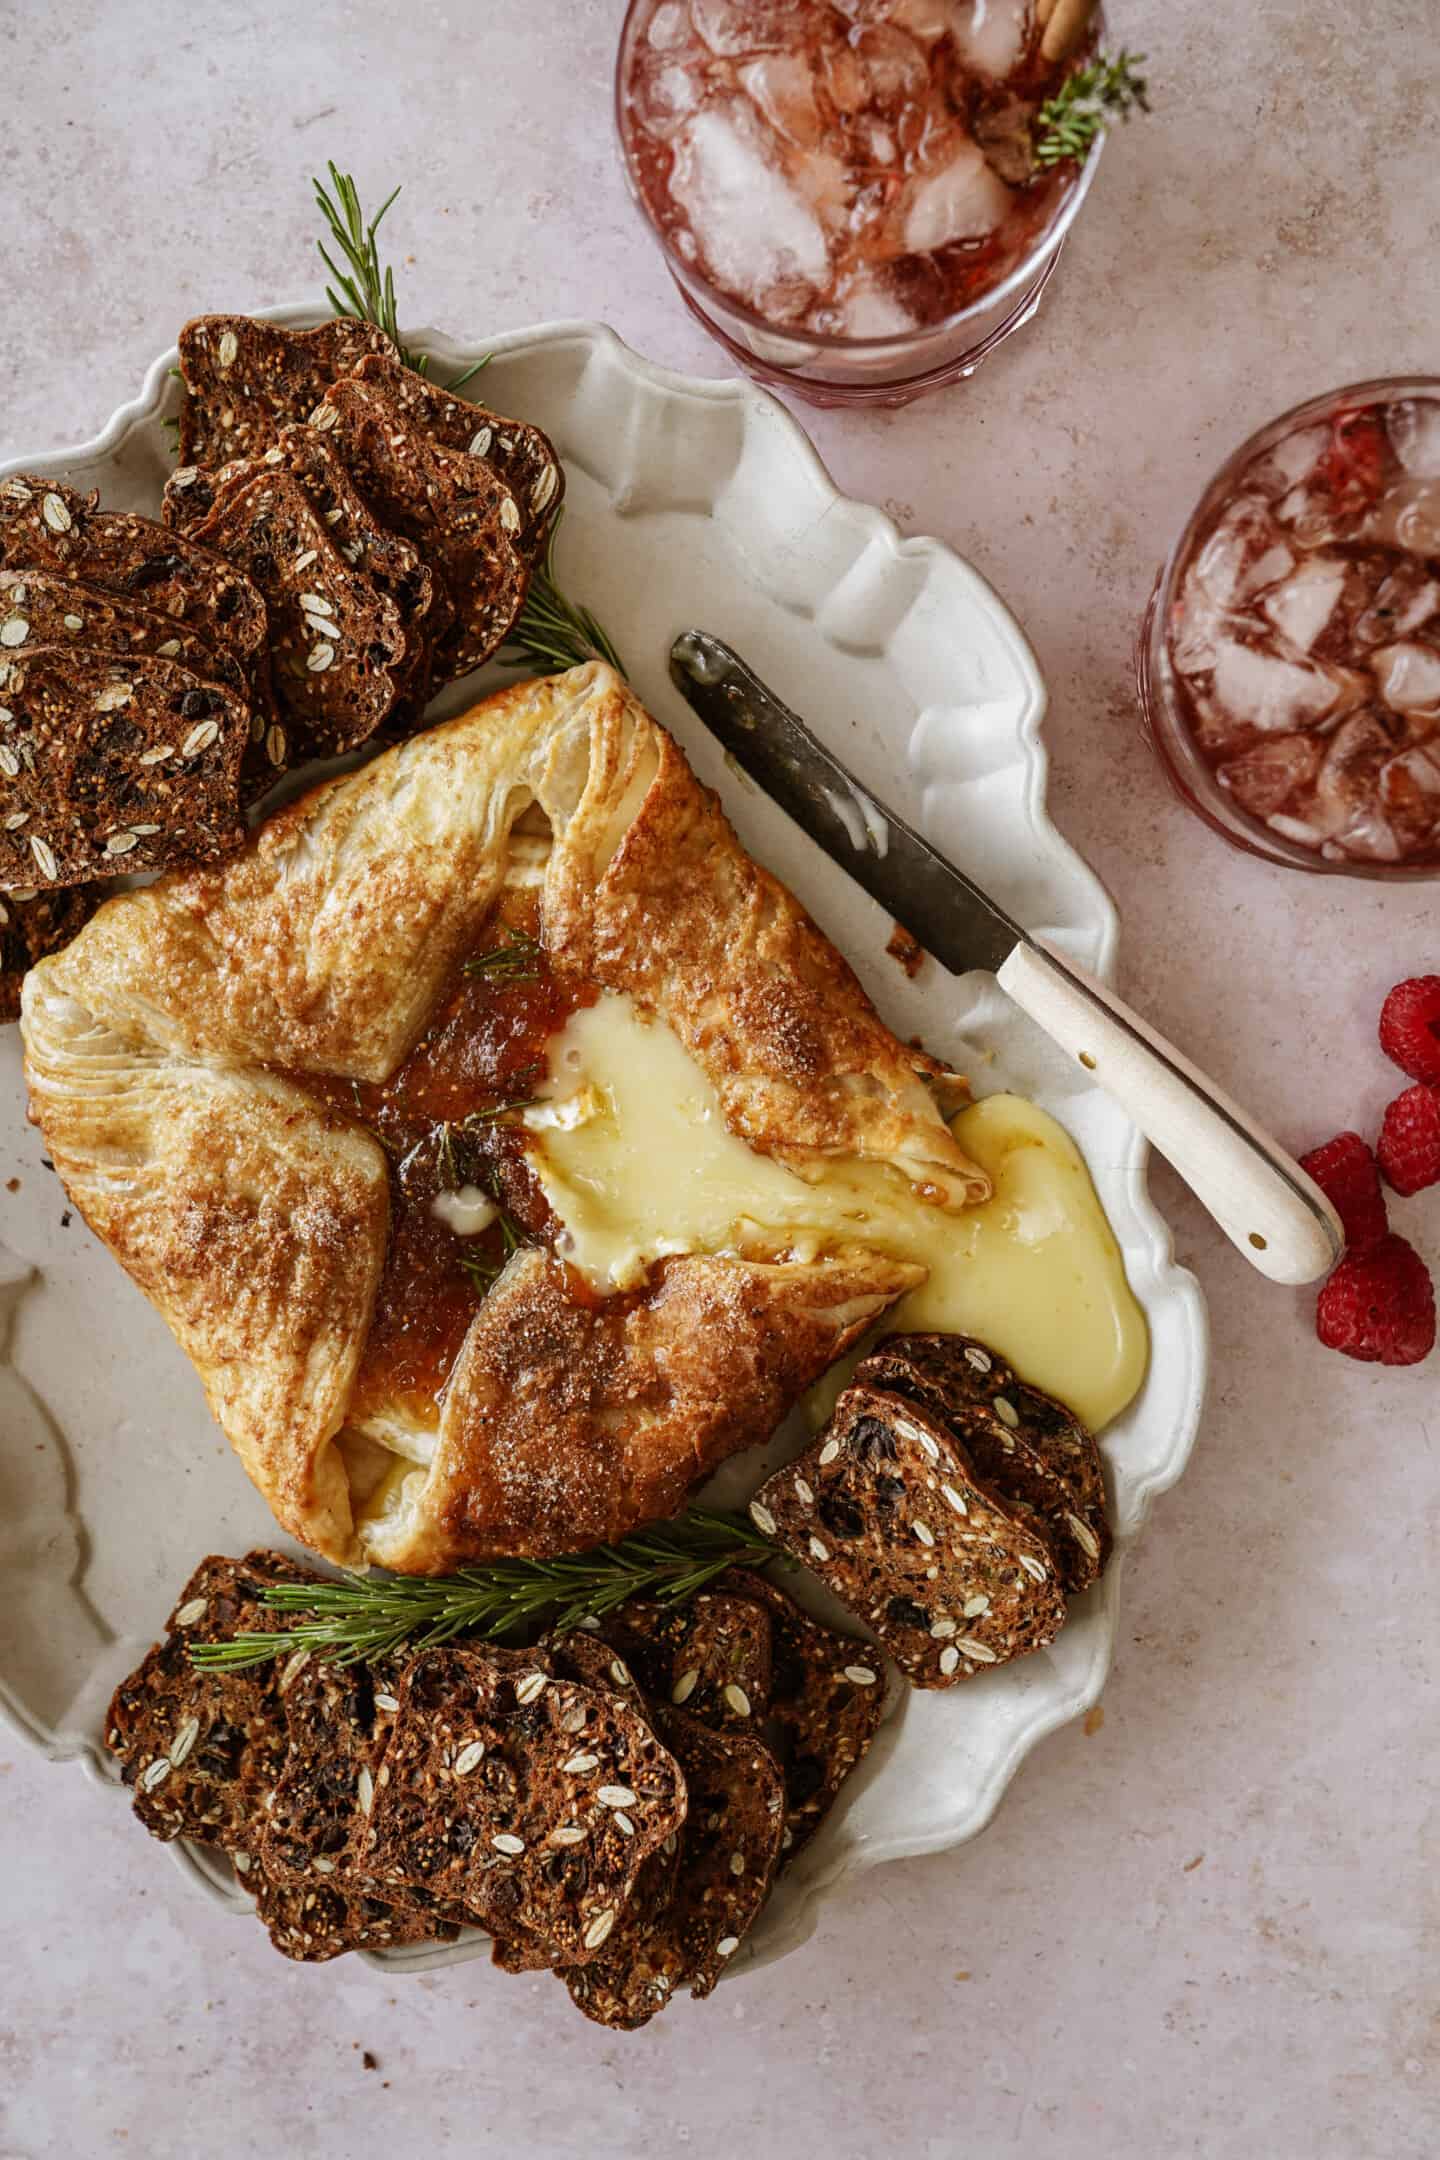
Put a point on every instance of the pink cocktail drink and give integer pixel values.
(847, 191)
(1290, 665)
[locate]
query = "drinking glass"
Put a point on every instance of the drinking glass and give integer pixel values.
(835, 367)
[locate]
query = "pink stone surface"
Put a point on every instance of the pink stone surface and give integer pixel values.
(1210, 1925)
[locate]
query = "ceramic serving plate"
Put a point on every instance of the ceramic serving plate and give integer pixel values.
(689, 501)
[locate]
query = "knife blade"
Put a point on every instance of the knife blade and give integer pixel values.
(1271, 1211)
(947, 912)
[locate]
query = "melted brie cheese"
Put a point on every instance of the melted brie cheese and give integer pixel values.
(630, 1145)
(646, 1167)
(1035, 1271)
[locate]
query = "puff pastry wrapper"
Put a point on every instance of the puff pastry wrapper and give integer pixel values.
(256, 1221)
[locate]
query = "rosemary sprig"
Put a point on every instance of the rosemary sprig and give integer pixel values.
(476, 1118)
(458, 382)
(366, 290)
(1085, 104)
(456, 1166)
(514, 961)
(366, 1616)
(484, 1269)
(554, 633)
(452, 1151)
(171, 422)
(446, 1161)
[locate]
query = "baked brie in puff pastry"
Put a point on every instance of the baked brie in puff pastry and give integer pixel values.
(497, 1139)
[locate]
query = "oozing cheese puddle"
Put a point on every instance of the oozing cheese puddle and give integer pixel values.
(650, 1168)
(1035, 1272)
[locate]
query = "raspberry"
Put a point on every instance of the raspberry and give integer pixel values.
(1409, 1146)
(1379, 1306)
(1410, 1027)
(1344, 1169)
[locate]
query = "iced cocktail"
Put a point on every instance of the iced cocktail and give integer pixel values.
(860, 198)
(1290, 661)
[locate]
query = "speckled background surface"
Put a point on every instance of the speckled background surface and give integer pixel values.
(1208, 1925)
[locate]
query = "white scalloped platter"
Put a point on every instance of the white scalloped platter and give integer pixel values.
(689, 502)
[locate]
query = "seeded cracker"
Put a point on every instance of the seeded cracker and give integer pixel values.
(1025, 1445)
(47, 526)
(463, 519)
(312, 1905)
(33, 924)
(592, 1659)
(633, 1976)
(730, 1847)
(202, 1750)
(532, 1801)
(392, 563)
(44, 607)
(826, 1695)
(583, 1656)
(56, 610)
(524, 458)
(316, 1921)
(887, 1510)
(337, 645)
(515, 1950)
(710, 1657)
(338, 1720)
(111, 764)
(729, 1852)
(245, 380)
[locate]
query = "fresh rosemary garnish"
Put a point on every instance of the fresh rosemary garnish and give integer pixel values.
(477, 1118)
(1084, 105)
(366, 291)
(554, 633)
(171, 421)
(452, 1145)
(514, 961)
(485, 1269)
(365, 1616)
(446, 1161)
(458, 1164)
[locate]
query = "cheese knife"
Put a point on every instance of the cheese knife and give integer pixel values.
(1273, 1214)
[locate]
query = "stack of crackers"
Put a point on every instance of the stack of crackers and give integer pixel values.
(341, 538)
(610, 1807)
(132, 668)
(948, 1504)
(614, 1804)
(392, 527)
